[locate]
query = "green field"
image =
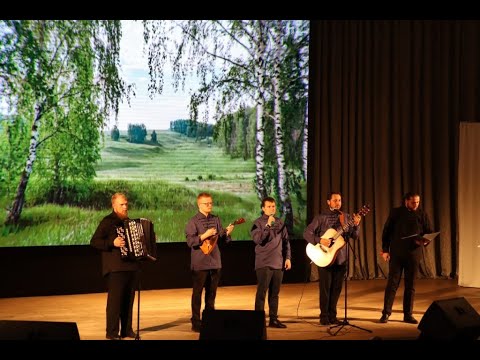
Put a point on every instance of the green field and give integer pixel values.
(177, 159)
(162, 182)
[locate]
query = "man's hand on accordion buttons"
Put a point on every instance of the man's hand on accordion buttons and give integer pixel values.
(119, 242)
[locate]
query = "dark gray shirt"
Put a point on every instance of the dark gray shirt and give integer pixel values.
(272, 243)
(196, 226)
(330, 220)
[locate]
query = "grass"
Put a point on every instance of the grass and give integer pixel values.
(161, 181)
(175, 159)
(66, 225)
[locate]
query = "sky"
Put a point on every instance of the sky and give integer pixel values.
(155, 113)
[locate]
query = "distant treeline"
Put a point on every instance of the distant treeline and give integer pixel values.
(137, 134)
(192, 129)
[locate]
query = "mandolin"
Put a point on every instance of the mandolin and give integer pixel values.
(209, 243)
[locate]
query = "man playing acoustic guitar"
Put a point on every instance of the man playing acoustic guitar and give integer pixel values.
(331, 274)
(203, 231)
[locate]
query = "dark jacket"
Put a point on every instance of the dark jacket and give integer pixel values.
(102, 240)
(403, 223)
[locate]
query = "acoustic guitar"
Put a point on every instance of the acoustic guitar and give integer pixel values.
(323, 255)
(209, 243)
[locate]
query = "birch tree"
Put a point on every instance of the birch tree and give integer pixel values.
(56, 72)
(285, 76)
(228, 58)
(285, 203)
(233, 60)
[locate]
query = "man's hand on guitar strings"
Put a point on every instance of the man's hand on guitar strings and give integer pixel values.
(325, 242)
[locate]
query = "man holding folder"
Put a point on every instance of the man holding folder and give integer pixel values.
(406, 231)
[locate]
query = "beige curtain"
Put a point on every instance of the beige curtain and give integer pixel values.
(469, 205)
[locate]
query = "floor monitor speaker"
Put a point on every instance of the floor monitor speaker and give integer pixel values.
(38, 330)
(450, 319)
(233, 325)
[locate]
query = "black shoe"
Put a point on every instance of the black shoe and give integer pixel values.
(113, 337)
(384, 318)
(196, 325)
(334, 321)
(131, 334)
(324, 322)
(410, 319)
(196, 328)
(277, 324)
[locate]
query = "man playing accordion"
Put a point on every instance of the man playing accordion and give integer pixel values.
(121, 275)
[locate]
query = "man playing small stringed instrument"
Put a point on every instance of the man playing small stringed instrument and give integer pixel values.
(203, 232)
(324, 229)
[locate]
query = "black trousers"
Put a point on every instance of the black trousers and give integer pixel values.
(330, 284)
(409, 264)
(271, 280)
(208, 279)
(121, 294)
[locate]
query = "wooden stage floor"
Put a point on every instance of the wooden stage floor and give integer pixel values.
(165, 314)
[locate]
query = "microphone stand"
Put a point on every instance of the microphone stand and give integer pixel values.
(137, 336)
(345, 320)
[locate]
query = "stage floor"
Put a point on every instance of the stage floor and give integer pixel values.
(165, 314)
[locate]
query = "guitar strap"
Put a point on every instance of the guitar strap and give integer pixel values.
(342, 219)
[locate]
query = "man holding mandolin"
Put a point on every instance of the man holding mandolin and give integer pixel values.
(203, 232)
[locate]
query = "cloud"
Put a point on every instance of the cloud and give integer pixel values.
(157, 112)
(131, 46)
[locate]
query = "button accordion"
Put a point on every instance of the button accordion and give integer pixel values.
(140, 240)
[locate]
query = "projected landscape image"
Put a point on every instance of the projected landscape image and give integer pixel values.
(159, 110)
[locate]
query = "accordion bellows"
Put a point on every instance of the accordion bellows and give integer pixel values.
(140, 240)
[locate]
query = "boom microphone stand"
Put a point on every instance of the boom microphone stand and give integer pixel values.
(345, 320)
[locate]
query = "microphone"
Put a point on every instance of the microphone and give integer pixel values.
(273, 222)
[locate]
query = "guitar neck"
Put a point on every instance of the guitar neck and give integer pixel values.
(338, 234)
(345, 227)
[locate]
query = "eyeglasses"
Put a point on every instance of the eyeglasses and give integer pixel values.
(207, 204)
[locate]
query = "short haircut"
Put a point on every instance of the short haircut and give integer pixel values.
(410, 194)
(330, 193)
(269, 199)
(202, 195)
(117, 195)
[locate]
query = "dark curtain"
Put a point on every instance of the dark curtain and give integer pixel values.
(386, 99)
